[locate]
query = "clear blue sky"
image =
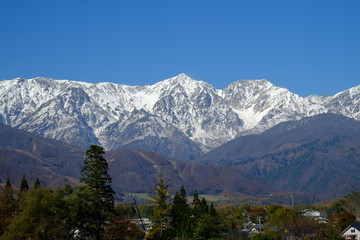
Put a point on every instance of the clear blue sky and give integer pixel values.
(307, 46)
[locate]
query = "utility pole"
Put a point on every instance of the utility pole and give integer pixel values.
(142, 223)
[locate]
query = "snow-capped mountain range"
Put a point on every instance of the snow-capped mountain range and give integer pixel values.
(178, 117)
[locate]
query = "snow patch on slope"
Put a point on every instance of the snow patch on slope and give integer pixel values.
(69, 110)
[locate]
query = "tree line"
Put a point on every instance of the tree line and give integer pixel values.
(82, 212)
(181, 220)
(89, 211)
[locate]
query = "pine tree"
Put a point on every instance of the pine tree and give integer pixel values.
(24, 186)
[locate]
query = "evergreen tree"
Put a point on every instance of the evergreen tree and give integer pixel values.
(200, 207)
(196, 199)
(84, 213)
(204, 208)
(24, 186)
(180, 215)
(8, 207)
(100, 193)
(95, 175)
(37, 183)
(212, 210)
(208, 224)
(196, 204)
(8, 186)
(182, 194)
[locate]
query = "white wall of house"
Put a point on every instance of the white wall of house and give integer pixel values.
(350, 233)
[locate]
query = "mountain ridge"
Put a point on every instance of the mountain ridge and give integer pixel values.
(315, 158)
(190, 115)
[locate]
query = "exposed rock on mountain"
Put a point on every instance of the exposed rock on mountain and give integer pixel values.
(179, 117)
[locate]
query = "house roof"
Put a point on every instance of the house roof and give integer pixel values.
(354, 225)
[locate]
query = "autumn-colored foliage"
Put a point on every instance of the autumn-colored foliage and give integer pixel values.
(123, 229)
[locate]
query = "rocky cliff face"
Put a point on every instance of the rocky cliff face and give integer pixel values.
(178, 117)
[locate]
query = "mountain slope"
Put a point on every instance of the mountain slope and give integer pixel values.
(135, 171)
(147, 132)
(56, 164)
(263, 105)
(319, 155)
(179, 117)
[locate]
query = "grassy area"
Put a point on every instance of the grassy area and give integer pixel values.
(208, 197)
(142, 196)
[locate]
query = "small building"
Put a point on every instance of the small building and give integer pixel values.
(352, 232)
(310, 213)
(316, 215)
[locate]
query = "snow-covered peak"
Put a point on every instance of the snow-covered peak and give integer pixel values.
(261, 104)
(180, 84)
(70, 110)
(252, 87)
(351, 92)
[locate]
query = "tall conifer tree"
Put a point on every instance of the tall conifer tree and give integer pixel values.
(24, 186)
(180, 215)
(8, 207)
(95, 175)
(98, 183)
(37, 183)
